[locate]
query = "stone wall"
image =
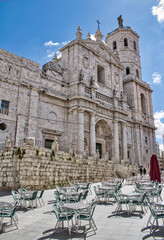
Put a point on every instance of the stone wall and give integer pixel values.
(34, 168)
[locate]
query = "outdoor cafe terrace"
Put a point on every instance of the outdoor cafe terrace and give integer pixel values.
(121, 210)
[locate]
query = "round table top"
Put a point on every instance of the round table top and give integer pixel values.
(107, 188)
(5, 204)
(159, 204)
(131, 194)
(70, 193)
(76, 206)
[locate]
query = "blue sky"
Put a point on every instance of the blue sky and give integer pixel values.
(35, 29)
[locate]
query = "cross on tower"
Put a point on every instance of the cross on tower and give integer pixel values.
(98, 24)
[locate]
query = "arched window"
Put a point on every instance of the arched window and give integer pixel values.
(143, 103)
(125, 42)
(127, 70)
(137, 73)
(135, 48)
(114, 45)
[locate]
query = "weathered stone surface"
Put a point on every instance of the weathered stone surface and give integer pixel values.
(48, 173)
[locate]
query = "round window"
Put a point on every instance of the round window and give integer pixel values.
(3, 126)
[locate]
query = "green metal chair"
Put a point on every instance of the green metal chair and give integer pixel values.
(156, 193)
(9, 212)
(84, 195)
(139, 201)
(31, 198)
(121, 201)
(99, 194)
(155, 213)
(40, 197)
(17, 197)
(76, 198)
(87, 215)
(62, 216)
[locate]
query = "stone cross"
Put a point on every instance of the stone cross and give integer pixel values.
(98, 22)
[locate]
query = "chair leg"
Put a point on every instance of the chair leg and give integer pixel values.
(42, 201)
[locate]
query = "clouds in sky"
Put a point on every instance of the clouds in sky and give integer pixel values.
(157, 79)
(51, 44)
(158, 116)
(159, 11)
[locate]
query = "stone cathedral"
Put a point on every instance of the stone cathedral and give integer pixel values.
(92, 98)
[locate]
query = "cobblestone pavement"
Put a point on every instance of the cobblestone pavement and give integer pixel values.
(38, 224)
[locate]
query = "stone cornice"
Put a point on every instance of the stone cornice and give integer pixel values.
(132, 78)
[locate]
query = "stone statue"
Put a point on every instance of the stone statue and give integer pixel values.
(72, 150)
(106, 156)
(86, 152)
(93, 82)
(55, 144)
(8, 142)
(115, 91)
(97, 154)
(81, 75)
(120, 21)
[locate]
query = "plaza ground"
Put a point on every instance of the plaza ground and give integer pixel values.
(38, 224)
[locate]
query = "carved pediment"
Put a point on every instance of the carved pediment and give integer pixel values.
(52, 66)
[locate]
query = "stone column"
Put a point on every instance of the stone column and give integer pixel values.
(92, 135)
(80, 132)
(142, 143)
(116, 142)
(137, 146)
(124, 141)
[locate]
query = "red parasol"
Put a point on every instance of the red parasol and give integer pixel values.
(154, 169)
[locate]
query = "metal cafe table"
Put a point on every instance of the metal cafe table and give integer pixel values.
(3, 207)
(75, 207)
(69, 195)
(131, 196)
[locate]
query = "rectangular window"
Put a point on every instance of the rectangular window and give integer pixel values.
(48, 143)
(4, 109)
(101, 74)
(5, 104)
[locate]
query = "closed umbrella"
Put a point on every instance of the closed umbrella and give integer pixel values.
(154, 169)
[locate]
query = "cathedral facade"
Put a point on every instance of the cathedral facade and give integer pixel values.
(92, 98)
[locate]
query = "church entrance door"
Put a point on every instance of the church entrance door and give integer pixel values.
(99, 147)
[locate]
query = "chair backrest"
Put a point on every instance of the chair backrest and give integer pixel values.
(92, 209)
(34, 195)
(84, 195)
(13, 192)
(41, 193)
(88, 184)
(57, 187)
(21, 190)
(150, 206)
(79, 197)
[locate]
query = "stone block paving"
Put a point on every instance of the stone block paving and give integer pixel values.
(38, 224)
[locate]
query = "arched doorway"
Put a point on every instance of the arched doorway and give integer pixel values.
(104, 139)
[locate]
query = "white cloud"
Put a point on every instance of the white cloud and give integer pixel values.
(51, 54)
(158, 116)
(65, 43)
(50, 44)
(159, 11)
(93, 37)
(58, 54)
(157, 79)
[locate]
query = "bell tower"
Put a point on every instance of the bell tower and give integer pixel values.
(124, 42)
